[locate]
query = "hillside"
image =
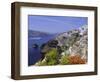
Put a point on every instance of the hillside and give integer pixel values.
(32, 33)
(70, 47)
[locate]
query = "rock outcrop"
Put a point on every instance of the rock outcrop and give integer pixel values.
(71, 43)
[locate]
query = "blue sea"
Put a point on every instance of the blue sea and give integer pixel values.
(34, 54)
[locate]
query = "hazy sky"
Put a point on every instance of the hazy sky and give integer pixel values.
(55, 24)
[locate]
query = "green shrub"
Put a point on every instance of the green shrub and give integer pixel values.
(64, 60)
(52, 54)
(52, 57)
(52, 62)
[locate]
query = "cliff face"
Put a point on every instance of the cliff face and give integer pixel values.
(73, 43)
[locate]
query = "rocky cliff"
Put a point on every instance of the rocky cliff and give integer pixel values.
(71, 47)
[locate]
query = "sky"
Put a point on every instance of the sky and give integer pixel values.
(55, 24)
